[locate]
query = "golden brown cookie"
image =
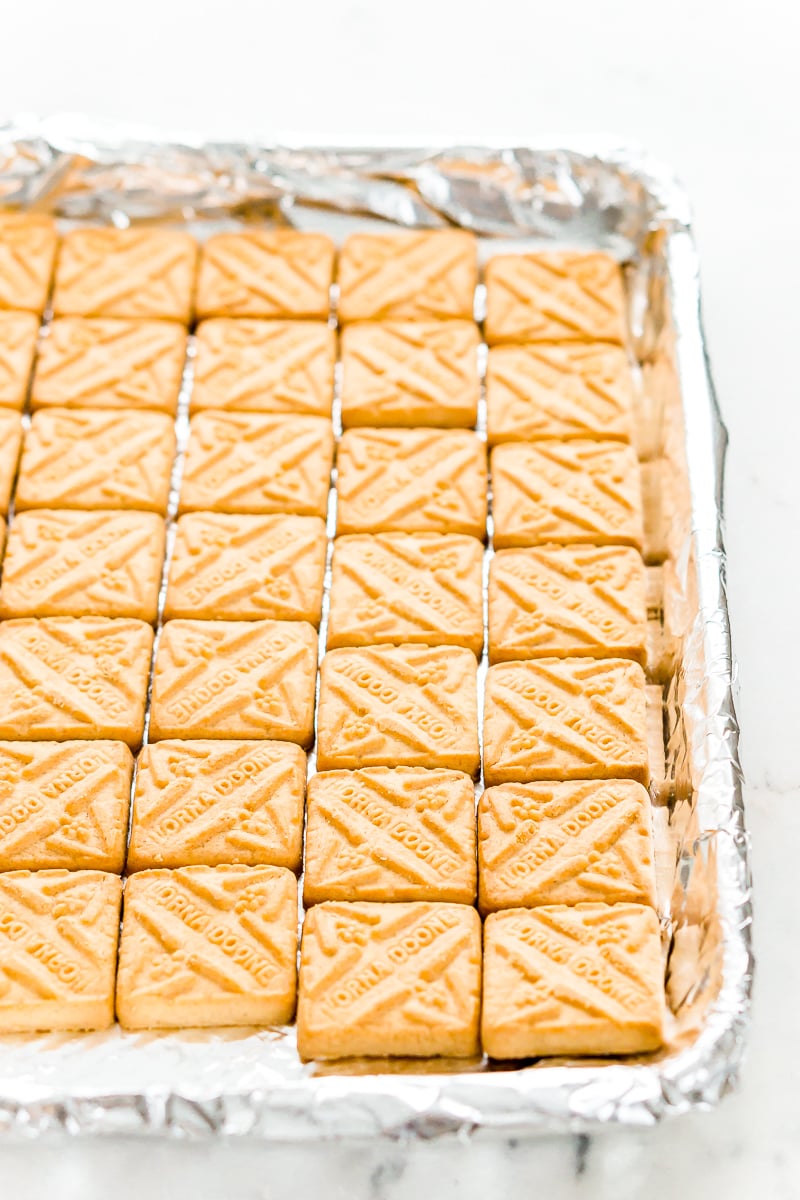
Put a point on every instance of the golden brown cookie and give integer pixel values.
(407, 587)
(74, 677)
(130, 273)
(565, 718)
(212, 802)
(555, 296)
(587, 980)
(265, 273)
(18, 334)
(208, 946)
(402, 833)
(560, 601)
(27, 252)
(407, 276)
(568, 492)
(410, 373)
(565, 843)
(257, 463)
(411, 481)
(97, 460)
(410, 706)
(389, 979)
(58, 949)
(10, 442)
(241, 568)
(105, 362)
(235, 679)
(573, 389)
(264, 366)
(64, 804)
(74, 564)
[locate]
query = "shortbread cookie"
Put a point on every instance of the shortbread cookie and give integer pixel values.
(410, 706)
(212, 802)
(27, 252)
(559, 601)
(208, 946)
(407, 587)
(241, 568)
(18, 334)
(105, 362)
(389, 979)
(235, 679)
(412, 481)
(58, 949)
(129, 273)
(10, 442)
(74, 677)
(407, 276)
(97, 460)
(265, 273)
(568, 718)
(64, 804)
(555, 296)
(587, 980)
(569, 390)
(564, 843)
(390, 834)
(568, 492)
(264, 366)
(73, 564)
(410, 373)
(257, 463)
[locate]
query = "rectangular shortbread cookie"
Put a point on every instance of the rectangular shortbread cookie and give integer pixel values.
(410, 373)
(74, 677)
(569, 492)
(207, 946)
(209, 802)
(58, 949)
(10, 442)
(407, 587)
(572, 981)
(402, 833)
(410, 706)
(565, 718)
(411, 480)
(407, 276)
(227, 567)
(389, 979)
(264, 366)
(18, 334)
(105, 362)
(27, 252)
(64, 804)
(73, 564)
(559, 601)
(567, 390)
(130, 273)
(97, 460)
(235, 679)
(265, 273)
(257, 463)
(564, 843)
(555, 296)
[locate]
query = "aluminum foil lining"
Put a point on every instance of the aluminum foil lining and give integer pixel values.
(193, 1083)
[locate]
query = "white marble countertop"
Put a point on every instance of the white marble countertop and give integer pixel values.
(714, 90)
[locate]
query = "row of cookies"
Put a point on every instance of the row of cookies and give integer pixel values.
(377, 833)
(145, 273)
(217, 946)
(393, 373)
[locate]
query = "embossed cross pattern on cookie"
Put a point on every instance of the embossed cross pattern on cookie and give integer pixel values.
(18, 333)
(27, 253)
(412, 275)
(272, 273)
